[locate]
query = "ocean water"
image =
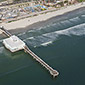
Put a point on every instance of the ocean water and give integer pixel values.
(60, 42)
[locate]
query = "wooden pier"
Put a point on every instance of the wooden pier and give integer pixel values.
(53, 72)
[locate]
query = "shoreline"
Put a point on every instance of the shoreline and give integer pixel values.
(24, 23)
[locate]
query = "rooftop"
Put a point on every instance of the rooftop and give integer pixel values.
(13, 43)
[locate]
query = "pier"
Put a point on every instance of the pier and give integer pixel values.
(53, 72)
(5, 31)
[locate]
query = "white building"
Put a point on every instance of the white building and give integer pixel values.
(13, 43)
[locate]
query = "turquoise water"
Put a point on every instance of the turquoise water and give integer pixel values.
(60, 42)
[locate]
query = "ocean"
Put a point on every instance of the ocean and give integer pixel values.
(59, 41)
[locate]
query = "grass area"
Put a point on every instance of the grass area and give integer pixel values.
(81, 0)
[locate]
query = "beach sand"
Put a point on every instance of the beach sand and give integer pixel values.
(23, 23)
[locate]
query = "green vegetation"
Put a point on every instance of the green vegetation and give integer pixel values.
(81, 0)
(2, 0)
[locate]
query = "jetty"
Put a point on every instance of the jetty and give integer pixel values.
(13, 43)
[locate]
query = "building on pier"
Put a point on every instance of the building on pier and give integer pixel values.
(13, 43)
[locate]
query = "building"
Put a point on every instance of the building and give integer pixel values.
(10, 1)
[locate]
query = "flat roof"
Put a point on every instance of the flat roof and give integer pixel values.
(14, 42)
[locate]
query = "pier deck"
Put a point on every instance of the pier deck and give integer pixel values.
(53, 72)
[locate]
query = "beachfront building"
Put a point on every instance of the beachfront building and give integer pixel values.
(25, 9)
(72, 1)
(10, 1)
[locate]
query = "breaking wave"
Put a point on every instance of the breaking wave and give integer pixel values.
(46, 43)
(48, 38)
(49, 33)
(78, 30)
(54, 26)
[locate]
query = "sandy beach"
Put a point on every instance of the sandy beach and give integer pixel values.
(42, 17)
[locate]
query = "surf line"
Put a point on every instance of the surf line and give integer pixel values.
(13, 43)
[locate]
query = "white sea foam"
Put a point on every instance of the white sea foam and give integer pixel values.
(30, 30)
(35, 46)
(48, 38)
(74, 19)
(21, 34)
(83, 16)
(50, 27)
(29, 38)
(65, 22)
(76, 30)
(46, 43)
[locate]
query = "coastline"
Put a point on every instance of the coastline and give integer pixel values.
(23, 23)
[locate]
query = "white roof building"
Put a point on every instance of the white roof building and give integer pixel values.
(13, 43)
